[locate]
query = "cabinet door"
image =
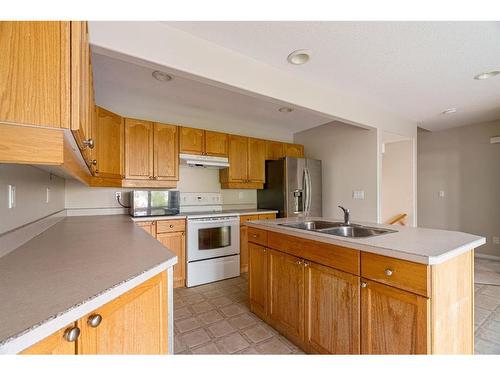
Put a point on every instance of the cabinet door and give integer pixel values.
(134, 323)
(286, 294)
(35, 73)
(176, 242)
(275, 150)
(393, 321)
(166, 152)
(215, 143)
(238, 158)
(332, 310)
(191, 141)
(256, 160)
(138, 149)
(54, 344)
(294, 151)
(148, 226)
(109, 144)
(81, 86)
(257, 279)
(243, 248)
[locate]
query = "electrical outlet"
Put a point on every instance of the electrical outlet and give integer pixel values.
(11, 196)
(496, 240)
(358, 194)
(441, 194)
(118, 195)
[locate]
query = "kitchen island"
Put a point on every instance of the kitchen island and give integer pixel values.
(75, 286)
(410, 291)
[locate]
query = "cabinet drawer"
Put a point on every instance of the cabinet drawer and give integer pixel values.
(267, 216)
(245, 218)
(258, 236)
(402, 274)
(170, 226)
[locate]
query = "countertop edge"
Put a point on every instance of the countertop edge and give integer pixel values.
(398, 254)
(186, 215)
(32, 335)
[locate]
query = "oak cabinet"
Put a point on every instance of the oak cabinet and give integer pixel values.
(133, 323)
(148, 226)
(54, 344)
(331, 310)
(203, 142)
(166, 152)
(109, 140)
(393, 321)
(258, 279)
(294, 151)
(244, 237)
(176, 242)
(246, 164)
(151, 153)
(35, 73)
(286, 280)
(138, 149)
(275, 150)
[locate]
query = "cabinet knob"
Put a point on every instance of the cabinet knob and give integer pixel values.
(363, 284)
(72, 334)
(94, 320)
(171, 225)
(306, 264)
(89, 143)
(389, 272)
(93, 162)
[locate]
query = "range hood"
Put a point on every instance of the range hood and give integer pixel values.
(202, 161)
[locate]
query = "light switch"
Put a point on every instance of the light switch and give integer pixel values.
(11, 196)
(441, 194)
(496, 240)
(47, 197)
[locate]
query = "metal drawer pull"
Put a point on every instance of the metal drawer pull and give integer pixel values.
(72, 334)
(389, 272)
(363, 284)
(94, 320)
(89, 143)
(254, 236)
(171, 225)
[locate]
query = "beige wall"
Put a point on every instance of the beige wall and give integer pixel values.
(397, 180)
(462, 163)
(31, 190)
(79, 196)
(349, 162)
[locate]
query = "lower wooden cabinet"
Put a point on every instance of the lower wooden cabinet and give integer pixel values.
(257, 279)
(176, 242)
(148, 226)
(244, 237)
(134, 323)
(393, 321)
(331, 310)
(54, 344)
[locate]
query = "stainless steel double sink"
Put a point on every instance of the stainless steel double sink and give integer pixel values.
(339, 228)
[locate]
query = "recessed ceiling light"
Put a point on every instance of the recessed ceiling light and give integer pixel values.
(285, 109)
(161, 76)
(299, 57)
(449, 111)
(487, 75)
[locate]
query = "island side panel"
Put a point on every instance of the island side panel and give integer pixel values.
(452, 305)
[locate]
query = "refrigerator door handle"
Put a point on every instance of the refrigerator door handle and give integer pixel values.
(308, 197)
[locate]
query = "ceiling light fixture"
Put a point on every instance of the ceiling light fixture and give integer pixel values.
(161, 76)
(449, 111)
(299, 57)
(285, 109)
(487, 75)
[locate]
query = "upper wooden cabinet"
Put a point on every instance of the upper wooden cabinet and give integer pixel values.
(35, 73)
(138, 149)
(109, 138)
(275, 150)
(151, 153)
(393, 321)
(246, 164)
(203, 142)
(293, 150)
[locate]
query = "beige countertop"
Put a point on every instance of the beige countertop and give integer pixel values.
(71, 263)
(239, 212)
(421, 245)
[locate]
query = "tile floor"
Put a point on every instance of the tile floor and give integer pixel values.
(215, 319)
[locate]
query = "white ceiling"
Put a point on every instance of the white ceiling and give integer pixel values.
(413, 69)
(130, 90)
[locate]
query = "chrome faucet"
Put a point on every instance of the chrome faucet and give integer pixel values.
(346, 215)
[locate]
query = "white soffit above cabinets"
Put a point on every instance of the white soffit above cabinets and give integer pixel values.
(413, 69)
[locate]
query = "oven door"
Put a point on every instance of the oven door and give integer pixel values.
(209, 238)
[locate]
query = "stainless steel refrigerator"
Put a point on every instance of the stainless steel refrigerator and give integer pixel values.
(293, 187)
